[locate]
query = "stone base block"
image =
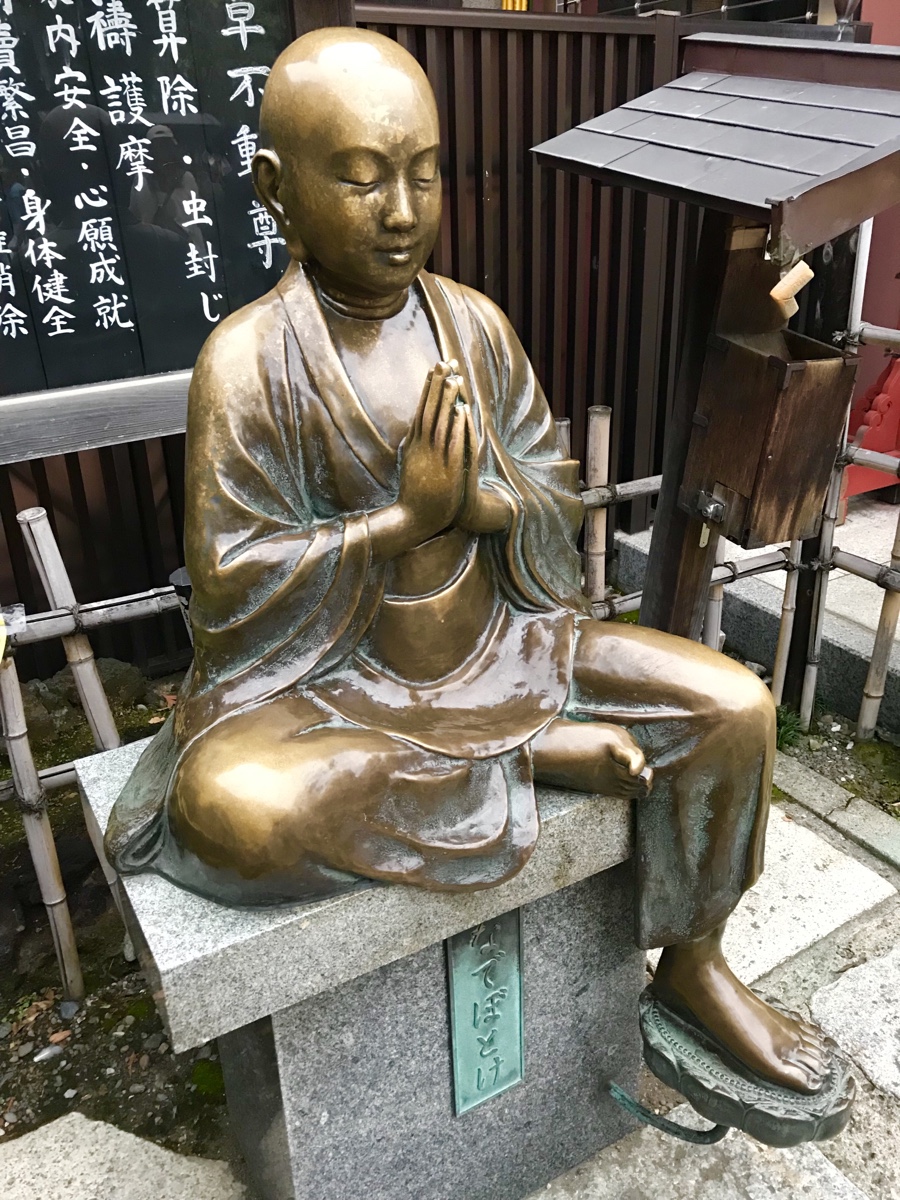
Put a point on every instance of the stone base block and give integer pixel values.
(348, 1095)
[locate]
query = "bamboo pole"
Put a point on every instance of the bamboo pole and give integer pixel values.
(786, 627)
(620, 493)
(597, 475)
(873, 692)
(854, 564)
(48, 560)
(564, 435)
(43, 627)
(51, 778)
(38, 831)
(874, 459)
(712, 622)
(826, 550)
(877, 335)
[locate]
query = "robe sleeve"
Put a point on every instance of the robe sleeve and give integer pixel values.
(540, 564)
(278, 594)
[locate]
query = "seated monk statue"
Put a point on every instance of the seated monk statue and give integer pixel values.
(391, 642)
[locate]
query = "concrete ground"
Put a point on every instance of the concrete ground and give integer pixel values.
(819, 933)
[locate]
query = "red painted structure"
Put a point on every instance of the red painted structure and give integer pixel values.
(875, 420)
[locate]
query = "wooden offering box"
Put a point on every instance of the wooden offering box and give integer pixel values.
(765, 433)
(784, 146)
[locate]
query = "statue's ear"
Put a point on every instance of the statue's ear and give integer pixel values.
(268, 176)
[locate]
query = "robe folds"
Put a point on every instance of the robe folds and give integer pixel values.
(347, 720)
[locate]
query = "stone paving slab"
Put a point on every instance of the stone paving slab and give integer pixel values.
(861, 1011)
(650, 1165)
(857, 819)
(74, 1158)
(807, 890)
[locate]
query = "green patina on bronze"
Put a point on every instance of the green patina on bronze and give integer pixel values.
(486, 1014)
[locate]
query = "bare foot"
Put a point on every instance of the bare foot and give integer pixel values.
(782, 1049)
(591, 757)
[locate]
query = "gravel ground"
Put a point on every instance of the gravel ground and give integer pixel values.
(111, 1062)
(868, 769)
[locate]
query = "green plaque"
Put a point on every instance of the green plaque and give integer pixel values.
(486, 1026)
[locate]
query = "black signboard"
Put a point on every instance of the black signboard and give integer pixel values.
(128, 222)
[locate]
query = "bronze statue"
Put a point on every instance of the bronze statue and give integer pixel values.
(391, 643)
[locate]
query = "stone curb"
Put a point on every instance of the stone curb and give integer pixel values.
(858, 820)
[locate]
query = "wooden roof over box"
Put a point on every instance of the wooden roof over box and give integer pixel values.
(805, 137)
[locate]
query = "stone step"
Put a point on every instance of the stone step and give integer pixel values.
(808, 890)
(861, 1011)
(74, 1158)
(650, 1165)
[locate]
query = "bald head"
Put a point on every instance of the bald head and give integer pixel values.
(350, 161)
(338, 77)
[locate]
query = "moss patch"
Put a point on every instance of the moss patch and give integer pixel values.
(207, 1078)
(882, 759)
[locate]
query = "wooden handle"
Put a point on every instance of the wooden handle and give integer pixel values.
(786, 289)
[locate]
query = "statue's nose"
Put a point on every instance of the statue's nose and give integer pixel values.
(399, 211)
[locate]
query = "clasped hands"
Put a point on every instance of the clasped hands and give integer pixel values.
(439, 484)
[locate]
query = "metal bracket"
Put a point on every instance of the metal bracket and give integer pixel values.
(710, 508)
(700, 1137)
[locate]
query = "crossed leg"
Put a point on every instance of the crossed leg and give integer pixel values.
(706, 727)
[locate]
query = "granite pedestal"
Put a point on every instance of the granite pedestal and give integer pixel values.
(333, 1025)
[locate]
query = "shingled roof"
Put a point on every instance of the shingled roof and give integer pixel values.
(811, 158)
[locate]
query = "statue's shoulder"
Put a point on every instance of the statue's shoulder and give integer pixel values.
(242, 344)
(491, 318)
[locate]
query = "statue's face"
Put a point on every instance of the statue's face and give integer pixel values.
(362, 184)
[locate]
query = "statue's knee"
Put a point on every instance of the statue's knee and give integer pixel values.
(232, 814)
(747, 703)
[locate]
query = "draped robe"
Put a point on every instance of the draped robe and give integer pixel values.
(410, 698)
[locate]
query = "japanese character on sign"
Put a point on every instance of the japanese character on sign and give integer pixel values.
(35, 211)
(43, 252)
(61, 32)
(490, 1010)
(210, 316)
(7, 283)
(135, 152)
(92, 198)
(168, 28)
(103, 270)
(69, 92)
(109, 309)
(127, 94)
(19, 144)
(52, 288)
(245, 86)
(241, 13)
(201, 264)
(8, 43)
(81, 135)
(113, 27)
(57, 318)
(176, 95)
(52, 3)
(12, 322)
(481, 1081)
(195, 208)
(266, 232)
(12, 93)
(246, 143)
(95, 233)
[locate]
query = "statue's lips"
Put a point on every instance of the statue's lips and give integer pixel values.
(398, 254)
